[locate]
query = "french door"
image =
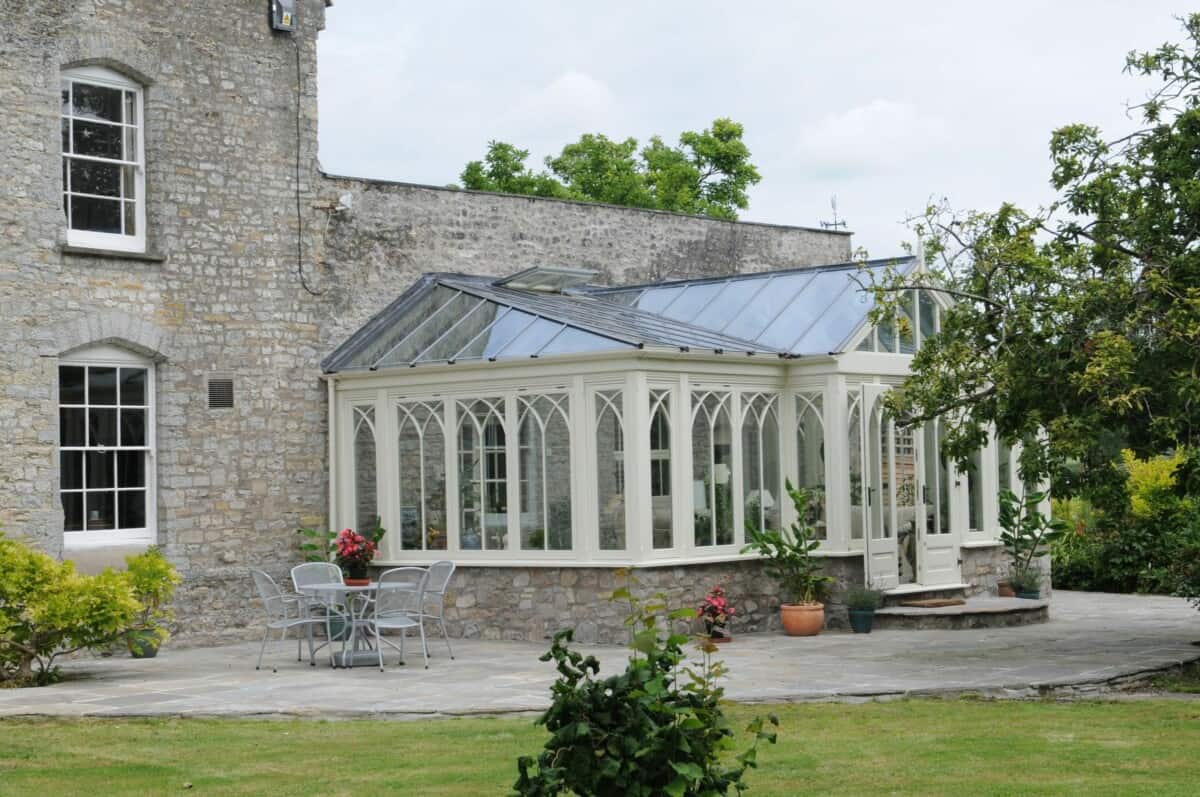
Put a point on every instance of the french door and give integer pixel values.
(906, 490)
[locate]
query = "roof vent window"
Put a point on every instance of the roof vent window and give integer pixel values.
(547, 279)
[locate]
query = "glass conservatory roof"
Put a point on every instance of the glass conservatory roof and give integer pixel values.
(449, 318)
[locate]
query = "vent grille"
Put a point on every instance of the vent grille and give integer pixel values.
(220, 393)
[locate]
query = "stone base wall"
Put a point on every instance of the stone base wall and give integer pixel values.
(527, 603)
(532, 603)
(983, 568)
(521, 603)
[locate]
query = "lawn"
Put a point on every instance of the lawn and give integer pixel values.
(910, 747)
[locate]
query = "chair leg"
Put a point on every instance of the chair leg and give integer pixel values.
(299, 639)
(403, 634)
(261, 650)
(312, 653)
(379, 647)
(445, 636)
(424, 647)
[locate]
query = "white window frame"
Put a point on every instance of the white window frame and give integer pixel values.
(100, 76)
(102, 356)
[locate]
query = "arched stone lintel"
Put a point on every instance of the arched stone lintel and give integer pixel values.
(116, 328)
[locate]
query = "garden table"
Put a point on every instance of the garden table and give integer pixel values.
(357, 601)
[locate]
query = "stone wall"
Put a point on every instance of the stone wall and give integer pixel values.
(983, 568)
(533, 603)
(224, 289)
(394, 232)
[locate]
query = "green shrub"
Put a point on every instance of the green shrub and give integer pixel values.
(860, 598)
(47, 610)
(1140, 540)
(655, 729)
(153, 580)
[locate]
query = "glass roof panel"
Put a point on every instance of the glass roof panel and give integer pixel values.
(693, 299)
(844, 315)
(463, 333)
(731, 302)
(531, 339)
(507, 327)
(429, 330)
(655, 299)
(380, 345)
(628, 298)
(805, 308)
(577, 341)
(755, 317)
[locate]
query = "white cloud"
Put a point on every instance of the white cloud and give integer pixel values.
(568, 106)
(875, 138)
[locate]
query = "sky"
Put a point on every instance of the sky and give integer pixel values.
(885, 105)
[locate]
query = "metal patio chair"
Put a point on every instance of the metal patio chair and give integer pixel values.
(284, 612)
(398, 608)
(328, 611)
(440, 574)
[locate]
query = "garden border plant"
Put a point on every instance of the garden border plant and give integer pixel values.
(656, 728)
(48, 610)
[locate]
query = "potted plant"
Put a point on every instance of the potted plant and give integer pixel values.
(1026, 533)
(861, 602)
(153, 580)
(1027, 583)
(353, 553)
(715, 611)
(789, 560)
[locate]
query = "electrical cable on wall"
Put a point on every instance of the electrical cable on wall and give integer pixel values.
(299, 213)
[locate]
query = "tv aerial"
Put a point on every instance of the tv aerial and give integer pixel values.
(835, 224)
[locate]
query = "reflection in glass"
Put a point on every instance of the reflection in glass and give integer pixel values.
(854, 440)
(610, 469)
(761, 479)
(366, 501)
(1004, 465)
(975, 491)
(483, 475)
(712, 456)
(810, 458)
(662, 512)
(928, 315)
(421, 448)
(907, 324)
(545, 472)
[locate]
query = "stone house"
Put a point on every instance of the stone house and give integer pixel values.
(175, 266)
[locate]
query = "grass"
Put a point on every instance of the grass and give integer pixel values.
(1186, 680)
(927, 747)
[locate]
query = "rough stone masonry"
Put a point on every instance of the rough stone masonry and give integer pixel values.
(219, 290)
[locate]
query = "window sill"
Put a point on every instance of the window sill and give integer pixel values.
(111, 254)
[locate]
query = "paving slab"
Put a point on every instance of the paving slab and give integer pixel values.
(1091, 641)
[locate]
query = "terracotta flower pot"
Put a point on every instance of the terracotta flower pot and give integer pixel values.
(1005, 590)
(802, 619)
(356, 582)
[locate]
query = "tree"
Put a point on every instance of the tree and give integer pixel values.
(707, 174)
(1076, 327)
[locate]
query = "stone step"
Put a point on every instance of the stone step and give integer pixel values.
(981, 612)
(895, 597)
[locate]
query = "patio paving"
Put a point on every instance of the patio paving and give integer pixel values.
(1091, 641)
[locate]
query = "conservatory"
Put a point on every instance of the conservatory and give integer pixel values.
(540, 421)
